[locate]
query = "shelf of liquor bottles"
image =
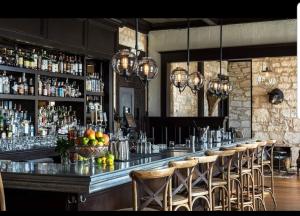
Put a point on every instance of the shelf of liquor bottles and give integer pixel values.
(49, 81)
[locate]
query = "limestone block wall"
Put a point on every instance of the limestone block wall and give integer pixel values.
(240, 98)
(277, 121)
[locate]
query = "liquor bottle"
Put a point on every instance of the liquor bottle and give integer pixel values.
(26, 87)
(31, 87)
(60, 64)
(26, 60)
(45, 89)
(16, 56)
(50, 63)
(6, 83)
(68, 67)
(44, 65)
(39, 60)
(76, 66)
(31, 60)
(54, 64)
(20, 59)
(11, 84)
(1, 84)
(65, 64)
(34, 56)
(20, 86)
(40, 86)
(79, 66)
(53, 88)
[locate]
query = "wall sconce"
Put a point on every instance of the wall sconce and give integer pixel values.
(276, 96)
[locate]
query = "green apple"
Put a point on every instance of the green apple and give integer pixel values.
(111, 156)
(85, 140)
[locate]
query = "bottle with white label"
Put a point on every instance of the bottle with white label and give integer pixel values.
(1, 84)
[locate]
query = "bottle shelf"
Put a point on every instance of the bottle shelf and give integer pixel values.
(66, 99)
(94, 93)
(17, 97)
(40, 72)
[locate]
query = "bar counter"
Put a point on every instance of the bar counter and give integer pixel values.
(81, 183)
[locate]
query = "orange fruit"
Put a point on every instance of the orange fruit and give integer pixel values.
(99, 134)
(106, 139)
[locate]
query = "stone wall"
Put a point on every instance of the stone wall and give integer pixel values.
(277, 121)
(211, 71)
(127, 38)
(183, 104)
(240, 98)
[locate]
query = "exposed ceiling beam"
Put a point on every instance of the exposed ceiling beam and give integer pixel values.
(209, 21)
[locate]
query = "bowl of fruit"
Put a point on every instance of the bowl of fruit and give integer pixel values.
(93, 144)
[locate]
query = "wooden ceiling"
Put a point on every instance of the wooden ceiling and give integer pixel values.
(152, 24)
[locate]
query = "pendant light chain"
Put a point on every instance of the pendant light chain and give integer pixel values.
(188, 46)
(221, 50)
(136, 36)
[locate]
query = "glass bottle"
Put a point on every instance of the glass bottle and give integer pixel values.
(20, 86)
(1, 84)
(31, 87)
(79, 66)
(40, 86)
(44, 65)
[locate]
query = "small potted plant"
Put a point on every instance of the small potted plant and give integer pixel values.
(62, 147)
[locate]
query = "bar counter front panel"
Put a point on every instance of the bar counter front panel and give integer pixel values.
(78, 186)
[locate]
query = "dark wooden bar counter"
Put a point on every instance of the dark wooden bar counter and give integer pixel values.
(78, 186)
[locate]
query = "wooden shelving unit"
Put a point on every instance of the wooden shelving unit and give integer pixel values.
(81, 102)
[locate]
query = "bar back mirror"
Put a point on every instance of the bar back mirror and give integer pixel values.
(237, 107)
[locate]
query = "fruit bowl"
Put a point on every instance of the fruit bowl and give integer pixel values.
(91, 151)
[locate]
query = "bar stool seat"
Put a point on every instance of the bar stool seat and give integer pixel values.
(199, 191)
(218, 182)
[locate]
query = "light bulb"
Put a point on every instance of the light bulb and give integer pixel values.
(196, 80)
(146, 69)
(179, 78)
(124, 62)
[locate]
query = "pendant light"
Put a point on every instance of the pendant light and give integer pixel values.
(125, 62)
(195, 79)
(179, 76)
(266, 78)
(220, 87)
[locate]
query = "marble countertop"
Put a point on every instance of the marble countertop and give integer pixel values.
(82, 178)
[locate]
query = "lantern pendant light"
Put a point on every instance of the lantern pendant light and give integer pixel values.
(267, 79)
(195, 79)
(125, 62)
(179, 76)
(220, 86)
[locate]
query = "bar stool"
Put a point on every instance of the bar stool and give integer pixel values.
(2, 196)
(236, 189)
(247, 175)
(158, 199)
(181, 194)
(259, 174)
(268, 164)
(222, 182)
(203, 174)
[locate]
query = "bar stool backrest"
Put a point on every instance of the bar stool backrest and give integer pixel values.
(204, 170)
(143, 194)
(238, 156)
(260, 152)
(183, 174)
(223, 164)
(250, 156)
(2, 196)
(269, 150)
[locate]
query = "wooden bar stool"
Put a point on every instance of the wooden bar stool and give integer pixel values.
(268, 164)
(143, 194)
(247, 175)
(222, 168)
(259, 174)
(181, 194)
(236, 190)
(2, 196)
(202, 178)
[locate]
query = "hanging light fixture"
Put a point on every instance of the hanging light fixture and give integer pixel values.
(195, 79)
(125, 62)
(179, 76)
(220, 87)
(267, 79)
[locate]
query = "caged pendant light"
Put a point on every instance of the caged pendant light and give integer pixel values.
(220, 87)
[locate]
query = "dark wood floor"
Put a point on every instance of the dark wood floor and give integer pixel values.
(287, 194)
